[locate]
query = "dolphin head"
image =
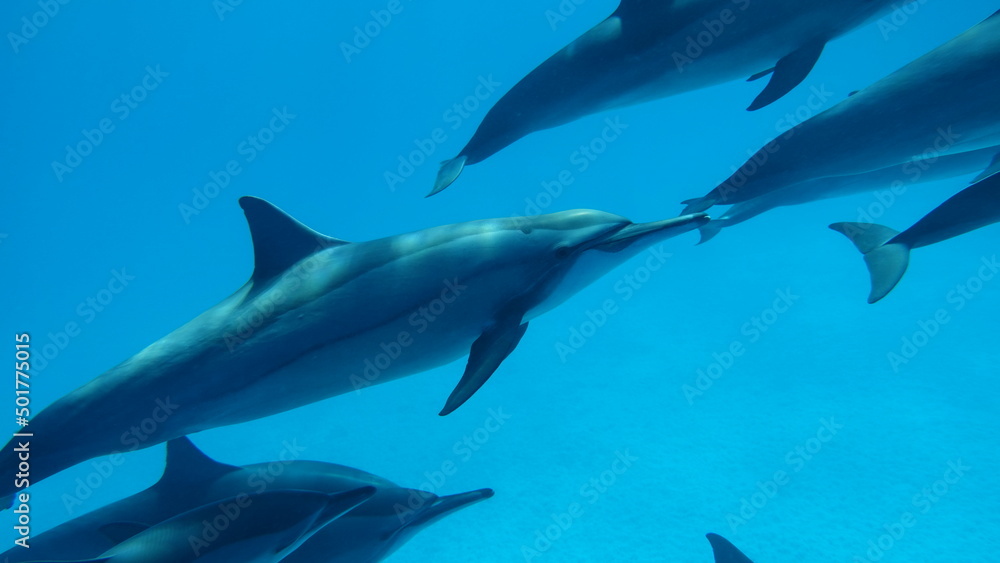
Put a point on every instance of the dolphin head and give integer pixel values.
(580, 246)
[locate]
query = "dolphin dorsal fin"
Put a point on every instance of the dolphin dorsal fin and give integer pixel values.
(726, 552)
(279, 241)
(121, 531)
(187, 464)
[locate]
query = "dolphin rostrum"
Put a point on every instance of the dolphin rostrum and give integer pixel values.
(253, 528)
(320, 317)
(887, 252)
(648, 50)
(365, 534)
(936, 105)
(895, 178)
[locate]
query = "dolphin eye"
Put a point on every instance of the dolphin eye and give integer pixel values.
(563, 252)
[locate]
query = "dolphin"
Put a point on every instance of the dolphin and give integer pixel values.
(936, 105)
(887, 252)
(726, 552)
(320, 317)
(255, 528)
(930, 169)
(651, 49)
(365, 534)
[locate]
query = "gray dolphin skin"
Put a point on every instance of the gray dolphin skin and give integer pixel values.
(365, 534)
(938, 104)
(724, 551)
(651, 49)
(887, 252)
(930, 169)
(252, 528)
(320, 317)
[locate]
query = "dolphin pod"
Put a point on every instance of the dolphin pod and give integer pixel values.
(389, 516)
(887, 252)
(899, 178)
(253, 528)
(281, 342)
(648, 50)
(936, 104)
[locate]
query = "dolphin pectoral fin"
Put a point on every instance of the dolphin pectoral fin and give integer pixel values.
(886, 262)
(121, 531)
(488, 351)
(187, 464)
(992, 169)
(789, 73)
(279, 241)
(448, 173)
(724, 551)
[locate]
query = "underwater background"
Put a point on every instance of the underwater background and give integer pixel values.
(574, 397)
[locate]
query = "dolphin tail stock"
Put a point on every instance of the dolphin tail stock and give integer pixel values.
(886, 260)
(443, 506)
(790, 71)
(448, 173)
(724, 551)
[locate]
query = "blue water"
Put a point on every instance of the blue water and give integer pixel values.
(822, 362)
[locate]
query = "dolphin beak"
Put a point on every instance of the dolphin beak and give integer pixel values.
(663, 229)
(444, 506)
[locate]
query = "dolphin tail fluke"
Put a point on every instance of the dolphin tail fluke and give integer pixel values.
(709, 230)
(443, 506)
(448, 173)
(788, 73)
(726, 552)
(886, 261)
